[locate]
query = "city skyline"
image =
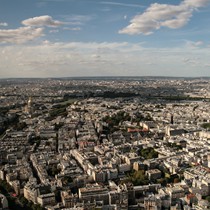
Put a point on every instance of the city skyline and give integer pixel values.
(65, 38)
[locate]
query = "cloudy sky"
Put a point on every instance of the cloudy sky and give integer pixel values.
(59, 38)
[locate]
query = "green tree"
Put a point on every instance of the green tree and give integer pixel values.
(148, 153)
(208, 198)
(137, 178)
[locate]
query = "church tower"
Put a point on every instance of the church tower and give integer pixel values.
(29, 106)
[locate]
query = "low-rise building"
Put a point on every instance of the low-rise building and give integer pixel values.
(46, 199)
(153, 174)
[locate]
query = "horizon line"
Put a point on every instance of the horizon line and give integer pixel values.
(86, 77)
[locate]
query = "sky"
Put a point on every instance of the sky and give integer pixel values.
(71, 38)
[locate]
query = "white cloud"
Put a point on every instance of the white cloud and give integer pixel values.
(20, 35)
(192, 61)
(3, 24)
(181, 20)
(159, 15)
(44, 20)
(86, 59)
(197, 44)
(196, 3)
(121, 4)
(54, 31)
(77, 19)
(72, 29)
(33, 28)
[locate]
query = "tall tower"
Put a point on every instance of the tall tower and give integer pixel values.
(29, 106)
(29, 102)
(167, 130)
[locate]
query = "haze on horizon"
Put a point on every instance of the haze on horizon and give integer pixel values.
(68, 38)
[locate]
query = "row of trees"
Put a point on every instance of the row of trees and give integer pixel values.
(206, 126)
(114, 120)
(148, 153)
(174, 145)
(140, 178)
(137, 178)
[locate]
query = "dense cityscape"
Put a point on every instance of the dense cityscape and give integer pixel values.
(105, 143)
(104, 105)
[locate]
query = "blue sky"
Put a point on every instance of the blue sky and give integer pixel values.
(64, 38)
